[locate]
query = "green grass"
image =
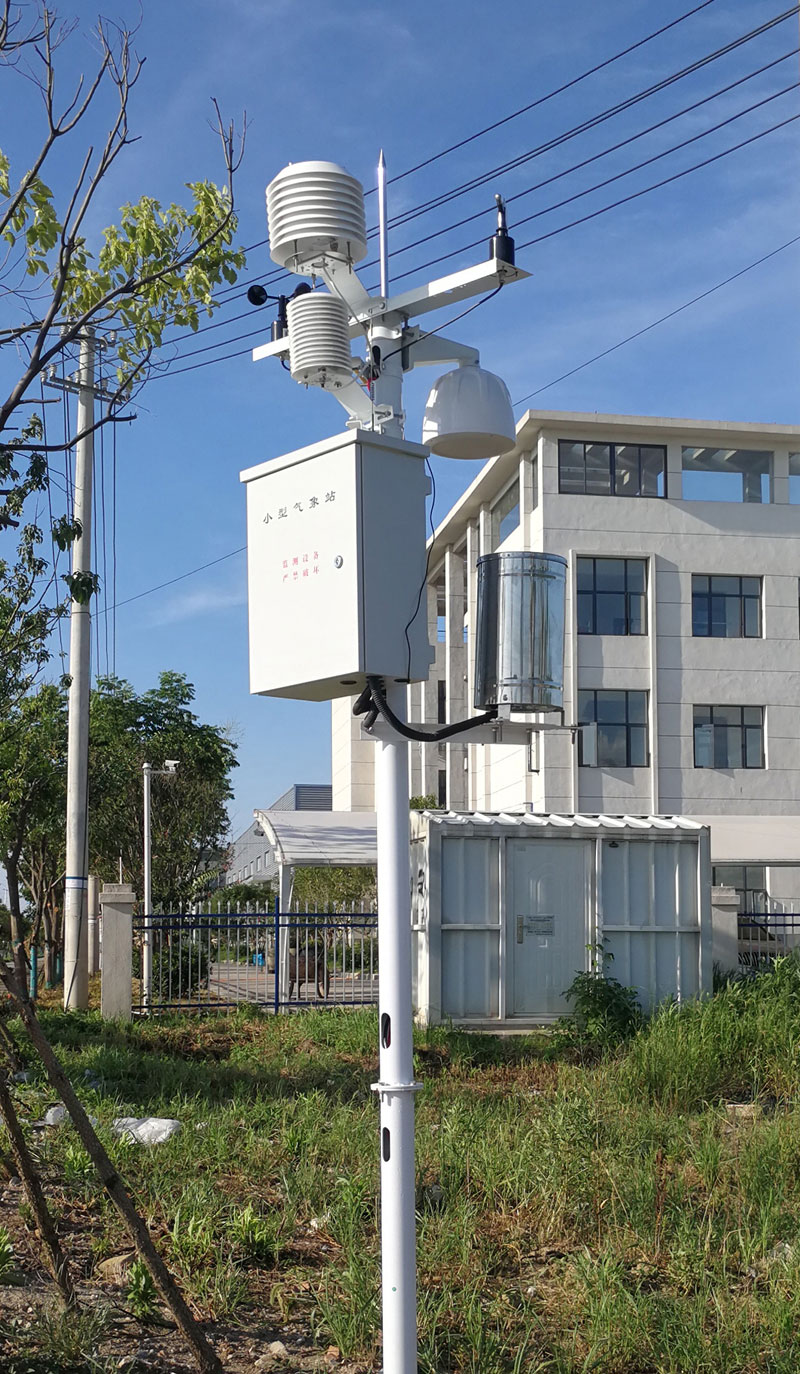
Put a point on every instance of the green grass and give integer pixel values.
(614, 1216)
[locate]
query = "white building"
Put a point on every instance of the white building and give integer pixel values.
(682, 638)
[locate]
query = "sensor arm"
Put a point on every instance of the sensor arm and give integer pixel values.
(421, 300)
(426, 350)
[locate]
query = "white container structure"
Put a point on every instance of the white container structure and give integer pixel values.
(506, 908)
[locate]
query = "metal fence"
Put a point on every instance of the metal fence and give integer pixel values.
(213, 961)
(765, 936)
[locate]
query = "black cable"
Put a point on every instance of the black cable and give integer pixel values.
(426, 334)
(458, 727)
(661, 320)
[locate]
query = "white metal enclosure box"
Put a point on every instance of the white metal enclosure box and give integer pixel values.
(335, 564)
(504, 908)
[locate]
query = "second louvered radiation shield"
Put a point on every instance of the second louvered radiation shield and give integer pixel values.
(319, 341)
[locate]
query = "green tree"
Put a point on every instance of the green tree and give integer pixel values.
(188, 815)
(32, 789)
(156, 267)
(320, 889)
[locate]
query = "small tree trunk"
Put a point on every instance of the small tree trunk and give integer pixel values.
(54, 1256)
(17, 940)
(111, 1181)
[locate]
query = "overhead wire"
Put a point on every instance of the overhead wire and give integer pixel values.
(435, 202)
(547, 181)
(172, 580)
(624, 200)
(637, 333)
(718, 286)
(613, 148)
(278, 273)
(558, 90)
(571, 224)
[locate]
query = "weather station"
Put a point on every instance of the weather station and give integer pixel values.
(336, 538)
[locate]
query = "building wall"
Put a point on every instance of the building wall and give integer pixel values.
(677, 537)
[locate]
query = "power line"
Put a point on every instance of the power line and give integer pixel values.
(624, 200)
(279, 273)
(578, 195)
(661, 320)
(594, 121)
(551, 144)
(613, 148)
(558, 90)
(588, 362)
(172, 580)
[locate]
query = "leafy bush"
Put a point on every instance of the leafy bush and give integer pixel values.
(604, 1013)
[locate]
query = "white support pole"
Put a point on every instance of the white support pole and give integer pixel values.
(396, 1087)
(76, 978)
(147, 938)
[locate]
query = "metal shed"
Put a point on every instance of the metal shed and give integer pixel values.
(505, 908)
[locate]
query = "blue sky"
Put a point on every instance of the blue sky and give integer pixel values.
(340, 81)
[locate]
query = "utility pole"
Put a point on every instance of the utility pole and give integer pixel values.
(76, 969)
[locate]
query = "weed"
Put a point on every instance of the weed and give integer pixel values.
(142, 1292)
(7, 1260)
(604, 1013)
(70, 1340)
(260, 1237)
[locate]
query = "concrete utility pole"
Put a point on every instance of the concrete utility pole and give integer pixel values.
(76, 972)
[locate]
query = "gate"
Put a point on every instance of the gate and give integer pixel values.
(205, 961)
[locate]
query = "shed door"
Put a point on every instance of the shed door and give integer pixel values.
(547, 906)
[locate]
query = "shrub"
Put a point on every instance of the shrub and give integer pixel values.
(604, 1013)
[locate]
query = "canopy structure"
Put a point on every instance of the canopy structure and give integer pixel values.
(318, 839)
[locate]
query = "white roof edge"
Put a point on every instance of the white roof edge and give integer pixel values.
(558, 820)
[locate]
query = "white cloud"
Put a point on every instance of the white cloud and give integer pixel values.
(191, 605)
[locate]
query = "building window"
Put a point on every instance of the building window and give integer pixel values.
(533, 752)
(729, 737)
(726, 474)
(612, 596)
(441, 702)
(750, 882)
(794, 479)
(505, 515)
(258, 862)
(612, 469)
(618, 738)
(442, 788)
(726, 607)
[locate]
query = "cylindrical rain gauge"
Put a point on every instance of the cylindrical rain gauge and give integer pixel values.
(519, 659)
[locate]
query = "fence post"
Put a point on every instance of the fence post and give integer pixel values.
(725, 929)
(93, 912)
(277, 952)
(116, 992)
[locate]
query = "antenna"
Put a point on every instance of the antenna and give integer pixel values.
(382, 230)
